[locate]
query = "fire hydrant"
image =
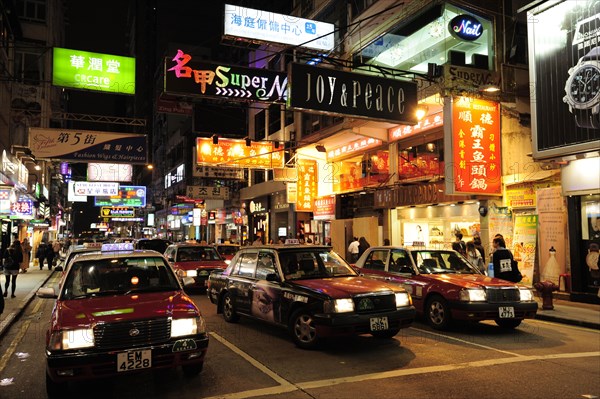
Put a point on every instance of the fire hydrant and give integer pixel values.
(546, 288)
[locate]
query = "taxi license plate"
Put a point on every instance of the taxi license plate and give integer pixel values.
(379, 323)
(506, 312)
(134, 360)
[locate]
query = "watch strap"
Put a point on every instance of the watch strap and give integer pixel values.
(593, 54)
(585, 118)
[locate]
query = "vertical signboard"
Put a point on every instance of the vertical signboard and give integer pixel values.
(552, 214)
(473, 135)
(307, 185)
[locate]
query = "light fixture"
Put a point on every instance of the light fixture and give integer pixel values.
(248, 142)
(149, 166)
(37, 166)
(320, 148)
(215, 139)
(421, 112)
(489, 88)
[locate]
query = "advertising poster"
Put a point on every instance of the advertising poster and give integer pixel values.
(524, 245)
(552, 217)
(500, 222)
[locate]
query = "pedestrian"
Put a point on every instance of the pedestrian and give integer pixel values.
(50, 255)
(386, 241)
(363, 245)
(504, 265)
(308, 240)
(271, 241)
(462, 246)
(26, 255)
(353, 250)
(492, 249)
(257, 241)
(479, 246)
(56, 246)
(12, 259)
(40, 254)
(474, 257)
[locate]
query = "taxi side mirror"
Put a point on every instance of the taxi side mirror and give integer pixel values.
(272, 277)
(47, 292)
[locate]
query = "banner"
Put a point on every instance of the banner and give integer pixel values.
(307, 185)
(552, 216)
(500, 222)
(524, 245)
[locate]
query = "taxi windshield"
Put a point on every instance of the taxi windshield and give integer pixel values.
(297, 265)
(118, 276)
(195, 254)
(441, 262)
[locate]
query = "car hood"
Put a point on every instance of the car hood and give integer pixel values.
(82, 313)
(344, 287)
(469, 280)
(200, 264)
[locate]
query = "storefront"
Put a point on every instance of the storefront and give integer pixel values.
(280, 225)
(258, 222)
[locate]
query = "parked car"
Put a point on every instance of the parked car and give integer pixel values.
(311, 291)
(156, 244)
(197, 261)
(445, 287)
(227, 251)
(120, 311)
(75, 250)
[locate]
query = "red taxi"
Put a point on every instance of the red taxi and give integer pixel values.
(227, 251)
(445, 287)
(193, 260)
(120, 311)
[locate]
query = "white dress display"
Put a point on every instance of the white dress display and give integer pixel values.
(552, 269)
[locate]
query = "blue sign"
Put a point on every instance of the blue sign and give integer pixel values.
(134, 196)
(465, 27)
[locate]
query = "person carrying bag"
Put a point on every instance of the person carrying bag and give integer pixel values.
(505, 266)
(12, 259)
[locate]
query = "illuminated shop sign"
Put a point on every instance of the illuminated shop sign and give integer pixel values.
(425, 124)
(352, 148)
(23, 209)
(202, 192)
(175, 176)
(330, 91)
(241, 22)
(199, 78)
(131, 196)
(235, 153)
(324, 208)
(117, 212)
(307, 185)
(474, 137)
(88, 145)
(220, 173)
(96, 188)
(109, 172)
(93, 71)
(465, 27)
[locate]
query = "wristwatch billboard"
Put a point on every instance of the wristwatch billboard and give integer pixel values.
(583, 90)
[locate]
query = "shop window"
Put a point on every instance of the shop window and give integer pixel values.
(590, 217)
(370, 169)
(423, 162)
(28, 67)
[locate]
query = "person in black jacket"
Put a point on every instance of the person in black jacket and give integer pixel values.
(40, 254)
(363, 245)
(502, 259)
(12, 259)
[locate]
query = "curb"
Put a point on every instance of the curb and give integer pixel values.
(14, 316)
(564, 320)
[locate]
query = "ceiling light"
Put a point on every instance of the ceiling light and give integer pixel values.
(37, 167)
(321, 148)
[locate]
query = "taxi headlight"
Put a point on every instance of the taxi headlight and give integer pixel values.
(183, 327)
(473, 295)
(72, 339)
(344, 305)
(191, 273)
(227, 262)
(526, 294)
(402, 299)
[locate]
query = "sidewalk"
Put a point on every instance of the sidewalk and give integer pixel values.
(27, 286)
(574, 313)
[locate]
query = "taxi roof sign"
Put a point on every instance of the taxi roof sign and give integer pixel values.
(117, 246)
(292, 241)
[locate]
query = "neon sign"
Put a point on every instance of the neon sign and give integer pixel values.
(466, 27)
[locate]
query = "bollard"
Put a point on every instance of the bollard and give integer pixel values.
(546, 288)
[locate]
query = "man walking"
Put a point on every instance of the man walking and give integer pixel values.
(353, 250)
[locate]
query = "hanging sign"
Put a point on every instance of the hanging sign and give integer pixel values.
(96, 188)
(428, 123)
(134, 196)
(202, 192)
(465, 27)
(307, 185)
(235, 153)
(324, 208)
(473, 132)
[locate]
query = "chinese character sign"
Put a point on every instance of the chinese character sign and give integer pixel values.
(129, 196)
(93, 71)
(307, 185)
(475, 147)
(324, 208)
(235, 153)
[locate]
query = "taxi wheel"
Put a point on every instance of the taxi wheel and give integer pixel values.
(302, 327)
(508, 323)
(437, 312)
(229, 313)
(386, 334)
(55, 389)
(192, 370)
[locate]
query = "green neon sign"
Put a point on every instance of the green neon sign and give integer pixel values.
(93, 71)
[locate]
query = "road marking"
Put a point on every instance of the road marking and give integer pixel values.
(467, 342)
(251, 360)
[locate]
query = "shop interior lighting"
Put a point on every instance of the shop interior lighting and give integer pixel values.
(320, 148)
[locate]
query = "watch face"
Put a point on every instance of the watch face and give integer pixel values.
(585, 84)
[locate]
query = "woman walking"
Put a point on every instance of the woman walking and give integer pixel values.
(26, 255)
(12, 259)
(363, 245)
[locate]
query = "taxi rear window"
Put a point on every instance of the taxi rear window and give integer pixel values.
(117, 276)
(194, 254)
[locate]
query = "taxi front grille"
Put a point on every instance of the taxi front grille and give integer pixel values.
(132, 333)
(374, 303)
(495, 295)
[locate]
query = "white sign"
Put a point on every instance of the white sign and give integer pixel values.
(221, 173)
(197, 216)
(110, 172)
(278, 28)
(71, 196)
(201, 192)
(175, 176)
(103, 189)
